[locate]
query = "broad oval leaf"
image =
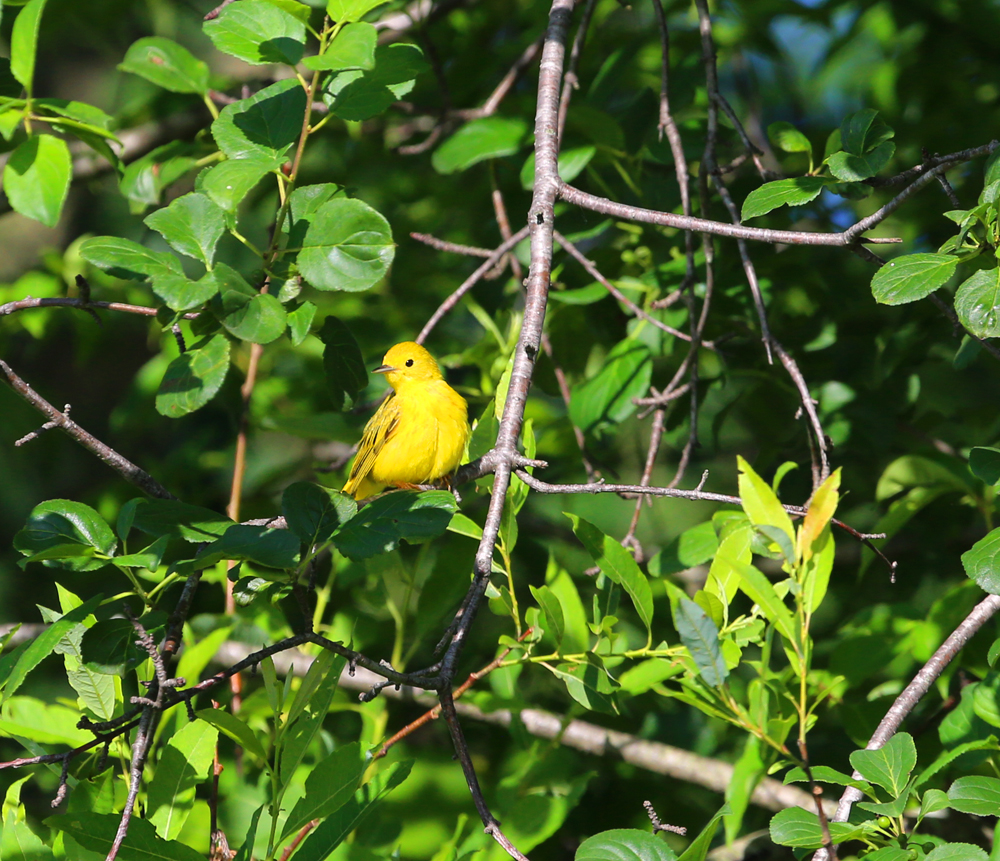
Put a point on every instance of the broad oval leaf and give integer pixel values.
(608, 395)
(975, 794)
(362, 94)
(258, 33)
(624, 844)
(123, 258)
(985, 464)
(36, 178)
(479, 140)
(397, 516)
(890, 765)
(314, 512)
(347, 246)
(982, 562)
(193, 225)
(701, 637)
(788, 138)
(61, 522)
(912, 277)
(166, 64)
(194, 377)
(354, 48)
(263, 126)
(246, 313)
(854, 168)
(977, 303)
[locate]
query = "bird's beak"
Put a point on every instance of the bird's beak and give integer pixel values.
(383, 369)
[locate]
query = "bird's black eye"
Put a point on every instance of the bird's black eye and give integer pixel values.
(409, 363)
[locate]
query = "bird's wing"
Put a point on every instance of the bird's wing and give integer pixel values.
(378, 431)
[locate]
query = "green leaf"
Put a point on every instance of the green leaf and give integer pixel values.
(44, 644)
(957, 852)
(331, 783)
(975, 794)
(229, 183)
(800, 829)
(183, 763)
(382, 524)
(60, 522)
(259, 33)
(760, 590)
(361, 95)
(982, 562)
(862, 132)
(346, 376)
(192, 224)
(144, 180)
(933, 800)
(24, 43)
(793, 192)
(589, 683)
(308, 709)
(36, 177)
(624, 844)
(694, 546)
(788, 138)
(314, 512)
(354, 48)
(854, 168)
(617, 564)
(300, 322)
(582, 296)
(645, 675)
(701, 637)
(159, 517)
(194, 377)
(479, 140)
(122, 258)
(245, 852)
(571, 165)
(235, 729)
(263, 126)
(166, 64)
(760, 502)
(347, 246)
(182, 294)
(890, 765)
(272, 548)
(697, 849)
(825, 774)
(350, 10)
(96, 832)
(912, 277)
(985, 464)
(109, 647)
(246, 313)
(977, 303)
(554, 622)
(333, 830)
(607, 396)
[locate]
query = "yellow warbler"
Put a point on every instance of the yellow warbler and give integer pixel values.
(418, 434)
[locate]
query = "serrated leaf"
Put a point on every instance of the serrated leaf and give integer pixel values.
(854, 168)
(354, 48)
(890, 765)
(361, 95)
(863, 131)
(24, 43)
(193, 225)
(229, 183)
(122, 258)
(259, 33)
(350, 10)
(194, 377)
(263, 126)
(272, 548)
(912, 277)
(347, 246)
(246, 313)
(331, 783)
(975, 794)
(183, 763)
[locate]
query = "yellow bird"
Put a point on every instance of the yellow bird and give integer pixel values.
(418, 434)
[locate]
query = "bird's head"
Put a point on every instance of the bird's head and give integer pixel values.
(408, 363)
